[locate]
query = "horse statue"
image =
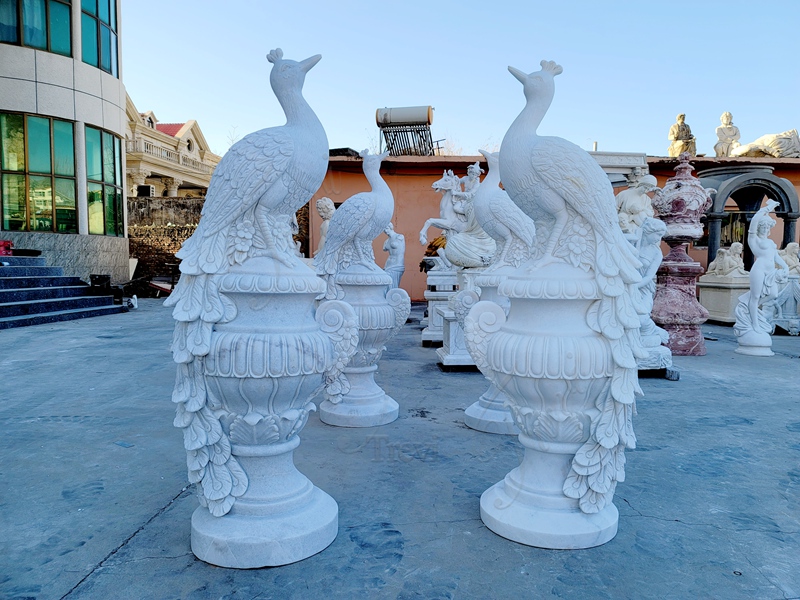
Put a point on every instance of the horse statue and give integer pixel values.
(451, 211)
(467, 244)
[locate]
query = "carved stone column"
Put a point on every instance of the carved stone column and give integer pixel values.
(136, 177)
(675, 307)
(172, 185)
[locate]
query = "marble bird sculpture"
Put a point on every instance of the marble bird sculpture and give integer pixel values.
(571, 200)
(249, 210)
(512, 230)
(358, 221)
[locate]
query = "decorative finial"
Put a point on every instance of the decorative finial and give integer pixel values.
(551, 67)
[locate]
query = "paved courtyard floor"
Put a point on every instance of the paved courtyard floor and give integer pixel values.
(94, 500)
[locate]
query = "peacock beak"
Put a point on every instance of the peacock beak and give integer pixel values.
(309, 62)
(521, 76)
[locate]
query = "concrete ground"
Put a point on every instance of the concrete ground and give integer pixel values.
(94, 501)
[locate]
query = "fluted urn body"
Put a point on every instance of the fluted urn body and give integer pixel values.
(380, 311)
(267, 357)
(556, 371)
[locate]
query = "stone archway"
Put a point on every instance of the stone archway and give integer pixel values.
(747, 186)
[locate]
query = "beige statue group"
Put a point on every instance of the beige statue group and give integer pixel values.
(776, 145)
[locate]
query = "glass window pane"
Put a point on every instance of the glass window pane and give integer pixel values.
(114, 67)
(94, 158)
(118, 200)
(33, 23)
(89, 6)
(60, 28)
(89, 39)
(39, 145)
(40, 201)
(95, 208)
(108, 157)
(66, 215)
(114, 15)
(102, 11)
(105, 48)
(117, 163)
(12, 134)
(111, 210)
(9, 21)
(14, 213)
(63, 148)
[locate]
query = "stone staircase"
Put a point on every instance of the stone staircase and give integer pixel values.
(32, 294)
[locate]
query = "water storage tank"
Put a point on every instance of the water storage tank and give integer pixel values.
(416, 115)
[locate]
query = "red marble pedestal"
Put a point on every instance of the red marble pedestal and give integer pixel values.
(675, 306)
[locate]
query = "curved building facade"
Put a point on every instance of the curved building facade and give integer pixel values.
(62, 128)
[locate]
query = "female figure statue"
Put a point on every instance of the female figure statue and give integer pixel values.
(753, 322)
(395, 245)
(325, 208)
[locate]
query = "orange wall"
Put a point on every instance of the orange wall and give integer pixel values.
(410, 180)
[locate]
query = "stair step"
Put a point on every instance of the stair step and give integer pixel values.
(42, 293)
(63, 315)
(32, 307)
(23, 261)
(31, 271)
(15, 283)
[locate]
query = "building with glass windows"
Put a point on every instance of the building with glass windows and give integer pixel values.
(62, 122)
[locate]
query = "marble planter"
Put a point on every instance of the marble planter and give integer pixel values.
(557, 372)
(381, 311)
(242, 405)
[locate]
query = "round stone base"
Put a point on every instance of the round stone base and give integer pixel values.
(489, 419)
(244, 541)
(755, 343)
(378, 411)
(545, 527)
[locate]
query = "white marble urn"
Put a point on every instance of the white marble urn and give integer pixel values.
(556, 370)
(242, 404)
(381, 312)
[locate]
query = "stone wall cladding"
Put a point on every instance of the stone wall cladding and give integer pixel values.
(162, 211)
(155, 247)
(79, 255)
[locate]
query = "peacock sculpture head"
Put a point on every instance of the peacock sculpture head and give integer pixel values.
(539, 85)
(288, 74)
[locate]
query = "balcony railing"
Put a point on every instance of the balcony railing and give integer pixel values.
(151, 149)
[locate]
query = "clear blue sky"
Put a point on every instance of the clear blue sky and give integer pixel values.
(629, 66)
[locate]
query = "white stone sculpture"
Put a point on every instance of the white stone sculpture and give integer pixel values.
(648, 248)
(467, 244)
(325, 208)
(250, 350)
(513, 231)
(634, 205)
(728, 136)
(725, 280)
(777, 145)
(681, 138)
(729, 262)
(566, 354)
(753, 313)
(395, 245)
(347, 263)
(791, 256)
